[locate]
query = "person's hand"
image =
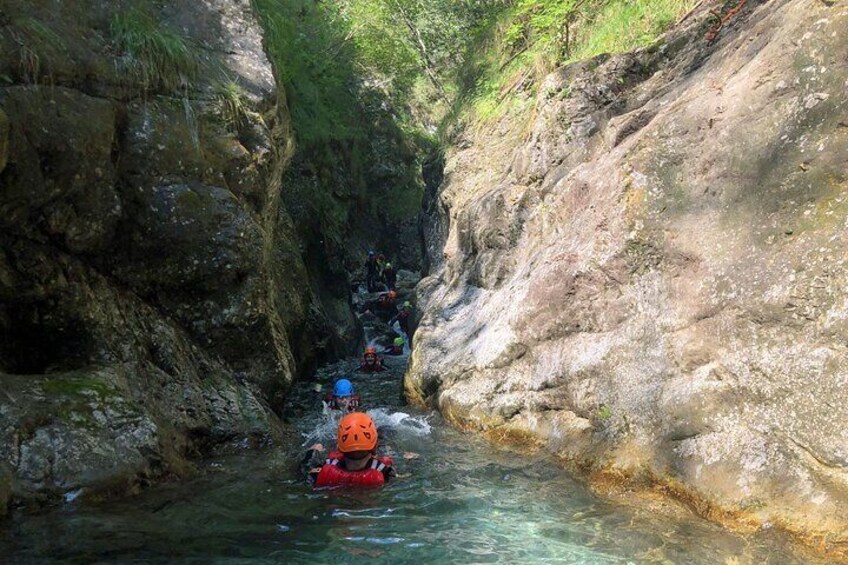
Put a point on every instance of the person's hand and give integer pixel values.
(315, 470)
(317, 447)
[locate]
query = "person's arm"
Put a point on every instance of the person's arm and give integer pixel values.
(389, 472)
(312, 462)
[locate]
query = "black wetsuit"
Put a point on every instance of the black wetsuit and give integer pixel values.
(390, 276)
(402, 318)
(371, 271)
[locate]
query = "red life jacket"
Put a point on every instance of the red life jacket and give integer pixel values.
(375, 368)
(333, 475)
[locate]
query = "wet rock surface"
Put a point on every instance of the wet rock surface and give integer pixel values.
(157, 294)
(652, 282)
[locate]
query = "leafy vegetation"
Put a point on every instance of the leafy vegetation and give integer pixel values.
(623, 26)
(440, 60)
(310, 45)
(359, 71)
(155, 56)
(532, 37)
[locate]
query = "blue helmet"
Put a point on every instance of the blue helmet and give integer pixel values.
(342, 388)
(371, 253)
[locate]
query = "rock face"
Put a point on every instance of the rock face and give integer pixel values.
(154, 297)
(653, 281)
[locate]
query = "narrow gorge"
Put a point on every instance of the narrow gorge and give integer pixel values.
(628, 219)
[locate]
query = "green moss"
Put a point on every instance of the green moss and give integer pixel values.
(828, 212)
(77, 386)
(192, 200)
(75, 397)
(405, 202)
(642, 256)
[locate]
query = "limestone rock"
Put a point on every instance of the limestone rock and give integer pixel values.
(654, 263)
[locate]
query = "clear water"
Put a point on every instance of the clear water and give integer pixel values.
(461, 501)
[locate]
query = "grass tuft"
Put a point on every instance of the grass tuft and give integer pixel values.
(232, 105)
(37, 44)
(158, 58)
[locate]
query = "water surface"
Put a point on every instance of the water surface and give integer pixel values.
(461, 501)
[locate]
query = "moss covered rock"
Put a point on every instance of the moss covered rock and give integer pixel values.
(154, 298)
(4, 140)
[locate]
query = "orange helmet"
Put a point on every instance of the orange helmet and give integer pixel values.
(357, 432)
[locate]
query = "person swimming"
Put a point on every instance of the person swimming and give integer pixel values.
(344, 397)
(354, 462)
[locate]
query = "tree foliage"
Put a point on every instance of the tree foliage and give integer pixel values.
(429, 56)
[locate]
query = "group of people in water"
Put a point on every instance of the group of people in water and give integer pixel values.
(380, 274)
(355, 462)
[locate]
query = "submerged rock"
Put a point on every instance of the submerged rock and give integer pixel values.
(653, 280)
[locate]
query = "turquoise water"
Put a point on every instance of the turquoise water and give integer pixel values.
(460, 501)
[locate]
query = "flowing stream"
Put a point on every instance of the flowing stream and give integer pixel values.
(462, 500)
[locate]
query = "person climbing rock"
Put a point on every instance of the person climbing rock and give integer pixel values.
(371, 362)
(403, 318)
(354, 463)
(344, 397)
(390, 276)
(372, 271)
(396, 348)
